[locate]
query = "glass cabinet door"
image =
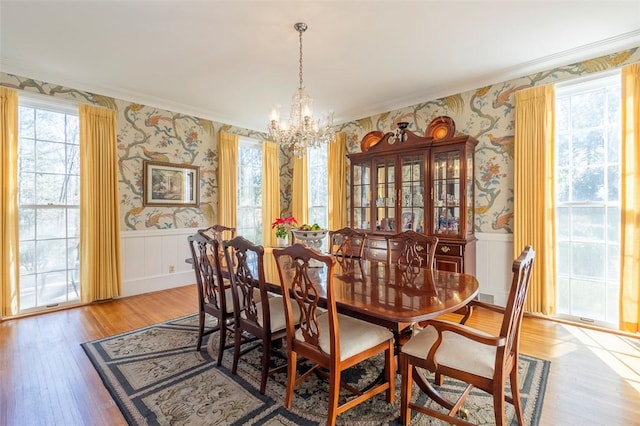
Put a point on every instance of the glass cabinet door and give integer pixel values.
(385, 193)
(446, 193)
(361, 196)
(412, 194)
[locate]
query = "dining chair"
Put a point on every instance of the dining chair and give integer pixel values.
(256, 311)
(331, 341)
(479, 359)
(219, 233)
(214, 293)
(347, 242)
(412, 248)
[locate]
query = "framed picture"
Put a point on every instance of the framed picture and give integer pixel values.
(166, 184)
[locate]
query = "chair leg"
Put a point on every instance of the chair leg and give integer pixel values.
(405, 390)
(390, 373)
(200, 330)
(498, 405)
(515, 393)
(438, 379)
(236, 351)
(334, 394)
(292, 369)
(266, 358)
(223, 340)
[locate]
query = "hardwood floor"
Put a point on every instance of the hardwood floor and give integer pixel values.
(46, 378)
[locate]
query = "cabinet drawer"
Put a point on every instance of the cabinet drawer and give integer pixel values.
(449, 249)
(375, 254)
(377, 243)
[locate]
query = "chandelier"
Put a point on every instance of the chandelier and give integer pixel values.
(302, 131)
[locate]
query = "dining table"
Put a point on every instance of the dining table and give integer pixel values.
(392, 295)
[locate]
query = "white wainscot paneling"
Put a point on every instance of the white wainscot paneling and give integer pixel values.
(155, 260)
(494, 258)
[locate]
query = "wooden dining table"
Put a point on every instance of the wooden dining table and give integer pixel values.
(391, 295)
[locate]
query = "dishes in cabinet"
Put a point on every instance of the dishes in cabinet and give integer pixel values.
(441, 128)
(370, 140)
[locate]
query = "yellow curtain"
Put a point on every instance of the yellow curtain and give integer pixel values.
(300, 195)
(227, 179)
(534, 192)
(270, 191)
(100, 262)
(630, 201)
(338, 182)
(9, 251)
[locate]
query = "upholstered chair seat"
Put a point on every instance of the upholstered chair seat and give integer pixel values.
(276, 309)
(455, 351)
(356, 336)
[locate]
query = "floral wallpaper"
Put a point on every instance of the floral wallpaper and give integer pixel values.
(487, 114)
(148, 133)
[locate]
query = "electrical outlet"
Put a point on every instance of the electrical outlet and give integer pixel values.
(172, 269)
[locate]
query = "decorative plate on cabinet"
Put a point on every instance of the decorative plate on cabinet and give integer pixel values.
(370, 139)
(441, 128)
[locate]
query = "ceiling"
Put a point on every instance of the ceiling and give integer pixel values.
(233, 61)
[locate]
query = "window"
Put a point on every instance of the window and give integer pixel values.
(588, 138)
(318, 182)
(249, 199)
(48, 199)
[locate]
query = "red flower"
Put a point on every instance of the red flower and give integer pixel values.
(283, 226)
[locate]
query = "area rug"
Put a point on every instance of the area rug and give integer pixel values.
(156, 377)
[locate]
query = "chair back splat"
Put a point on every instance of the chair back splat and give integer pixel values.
(330, 340)
(412, 248)
(347, 242)
(256, 312)
(481, 360)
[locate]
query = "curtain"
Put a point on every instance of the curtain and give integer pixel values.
(227, 179)
(630, 201)
(337, 190)
(533, 204)
(9, 251)
(270, 191)
(300, 195)
(100, 263)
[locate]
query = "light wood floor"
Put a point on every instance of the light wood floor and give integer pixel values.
(46, 378)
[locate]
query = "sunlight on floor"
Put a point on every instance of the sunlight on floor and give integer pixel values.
(621, 354)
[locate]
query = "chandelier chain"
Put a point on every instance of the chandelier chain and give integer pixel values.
(300, 31)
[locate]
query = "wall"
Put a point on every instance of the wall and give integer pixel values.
(487, 114)
(153, 237)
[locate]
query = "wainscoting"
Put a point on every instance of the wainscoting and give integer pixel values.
(155, 260)
(494, 258)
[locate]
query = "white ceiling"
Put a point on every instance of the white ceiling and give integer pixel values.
(232, 61)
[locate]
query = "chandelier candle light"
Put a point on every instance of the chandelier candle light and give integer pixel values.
(302, 131)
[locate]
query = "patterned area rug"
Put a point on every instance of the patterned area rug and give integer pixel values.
(157, 378)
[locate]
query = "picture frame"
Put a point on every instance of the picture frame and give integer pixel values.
(170, 185)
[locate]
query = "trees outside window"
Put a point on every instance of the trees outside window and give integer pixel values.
(249, 197)
(48, 198)
(588, 138)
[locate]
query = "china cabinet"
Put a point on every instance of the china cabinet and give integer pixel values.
(403, 181)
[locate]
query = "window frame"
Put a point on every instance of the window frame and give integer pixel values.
(245, 142)
(70, 259)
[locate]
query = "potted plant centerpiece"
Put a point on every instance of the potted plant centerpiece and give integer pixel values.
(283, 226)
